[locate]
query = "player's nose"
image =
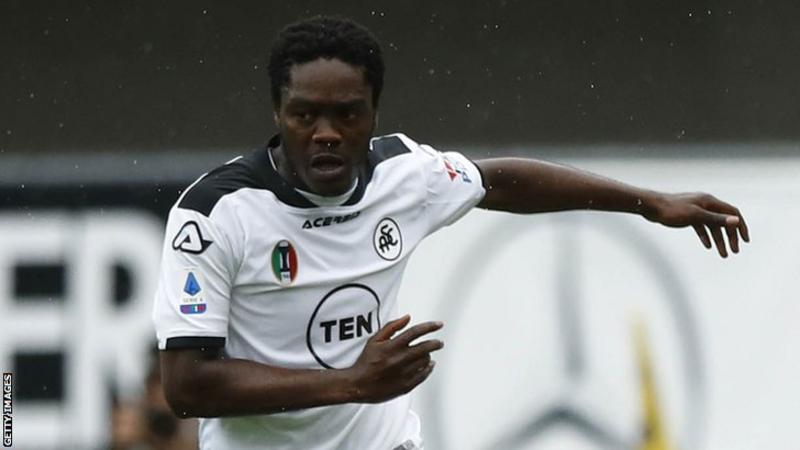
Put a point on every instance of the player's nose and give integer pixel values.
(326, 134)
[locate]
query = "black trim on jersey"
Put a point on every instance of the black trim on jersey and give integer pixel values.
(480, 172)
(175, 343)
(255, 170)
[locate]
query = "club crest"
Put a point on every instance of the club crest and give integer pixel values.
(387, 239)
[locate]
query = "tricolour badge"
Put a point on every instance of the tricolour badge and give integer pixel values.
(197, 308)
(284, 262)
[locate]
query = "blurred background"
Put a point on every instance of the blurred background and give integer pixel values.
(109, 109)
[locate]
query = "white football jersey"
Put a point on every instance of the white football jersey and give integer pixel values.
(252, 265)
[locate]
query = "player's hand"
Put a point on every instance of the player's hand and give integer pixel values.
(392, 365)
(705, 213)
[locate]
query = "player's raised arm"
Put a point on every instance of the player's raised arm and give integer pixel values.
(530, 186)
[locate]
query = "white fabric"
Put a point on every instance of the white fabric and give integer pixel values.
(344, 289)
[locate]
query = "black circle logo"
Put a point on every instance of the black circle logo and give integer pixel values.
(341, 324)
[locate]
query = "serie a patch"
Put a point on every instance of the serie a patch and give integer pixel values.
(192, 294)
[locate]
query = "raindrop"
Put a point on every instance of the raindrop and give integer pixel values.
(31, 95)
(135, 162)
(591, 85)
(201, 61)
(205, 11)
(690, 14)
(708, 12)
(641, 38)
(8, 132)
(255, 67)
(468, 105)
(60, 124)
(46, 32)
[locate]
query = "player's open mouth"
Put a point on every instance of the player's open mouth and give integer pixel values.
(327, 164)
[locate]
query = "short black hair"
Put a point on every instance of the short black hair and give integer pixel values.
(325, 37)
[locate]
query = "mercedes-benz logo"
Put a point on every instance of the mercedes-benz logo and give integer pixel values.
(574, 405)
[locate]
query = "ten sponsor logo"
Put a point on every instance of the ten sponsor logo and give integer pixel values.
(331, 220)
(387, 239)
(284, 262)
(341, 324)
(8, 426)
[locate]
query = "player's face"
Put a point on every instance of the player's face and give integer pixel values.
(326, 119)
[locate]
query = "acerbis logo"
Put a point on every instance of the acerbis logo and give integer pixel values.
(190, 240)
(330, 220)
(387, 239)
(341, 324)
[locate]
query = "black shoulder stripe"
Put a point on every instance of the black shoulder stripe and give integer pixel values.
(383, 148)
(386, 147)
(203, 196)
(251, 171)
(194, 342)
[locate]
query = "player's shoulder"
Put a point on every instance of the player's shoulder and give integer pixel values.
(241, 172)
(386, 147)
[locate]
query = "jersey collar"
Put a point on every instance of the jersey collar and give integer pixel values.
(288, 194)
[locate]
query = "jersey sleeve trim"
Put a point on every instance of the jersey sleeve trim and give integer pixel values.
(183, 342)
(480, 173)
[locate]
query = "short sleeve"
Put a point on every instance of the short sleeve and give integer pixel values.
(192, 300)
(454, 186)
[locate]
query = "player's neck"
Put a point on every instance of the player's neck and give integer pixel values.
(322, 200)
(317, 199)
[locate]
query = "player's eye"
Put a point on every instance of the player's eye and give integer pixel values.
(349, 114)
(303, 116)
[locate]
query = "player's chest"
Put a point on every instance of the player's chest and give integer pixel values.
(327, 246)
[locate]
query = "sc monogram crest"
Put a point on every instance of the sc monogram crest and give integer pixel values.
(387, 239)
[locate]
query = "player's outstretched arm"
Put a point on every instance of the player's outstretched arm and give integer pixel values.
(201, 383)
(530, 186)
